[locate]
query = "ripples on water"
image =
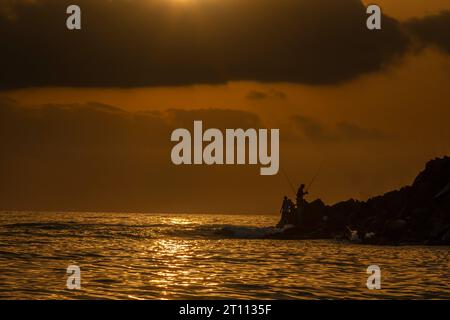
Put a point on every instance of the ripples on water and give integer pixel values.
(148, 256)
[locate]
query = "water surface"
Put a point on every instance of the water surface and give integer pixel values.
(163, 256)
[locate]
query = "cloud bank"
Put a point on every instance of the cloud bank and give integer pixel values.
(315, 131)
(98, 157)
(433, 30)
(161, 43)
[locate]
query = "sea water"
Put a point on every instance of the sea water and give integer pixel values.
(194, 256)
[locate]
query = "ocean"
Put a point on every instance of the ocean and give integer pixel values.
(181, 256)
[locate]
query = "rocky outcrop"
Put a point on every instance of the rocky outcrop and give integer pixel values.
(416, 214)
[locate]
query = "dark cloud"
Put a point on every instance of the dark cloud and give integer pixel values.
(259, 95)
(215, 118)
(350, 131)
(311, 128)
(434, 30)
(76, 128)
(315, 131)
(256, 95)
(99, 157)
(157, 42)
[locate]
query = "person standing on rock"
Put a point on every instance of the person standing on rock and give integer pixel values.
(301, 193)
(299, 213)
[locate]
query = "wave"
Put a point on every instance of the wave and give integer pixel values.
(245, 232)
(157, 230)
(76, 225)
(223, 231)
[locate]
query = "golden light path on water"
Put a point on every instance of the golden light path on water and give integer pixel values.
(150, 256)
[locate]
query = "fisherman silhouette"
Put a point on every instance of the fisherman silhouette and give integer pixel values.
(291, 207)
(299, 212)
(300, 194)
(285, 207)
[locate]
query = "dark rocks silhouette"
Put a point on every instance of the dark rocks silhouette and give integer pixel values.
(416, 214)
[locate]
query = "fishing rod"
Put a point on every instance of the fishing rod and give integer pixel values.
(310, 183)
(288, 180)
(314, 178)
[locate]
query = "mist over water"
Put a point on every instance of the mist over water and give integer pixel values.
(164, 256)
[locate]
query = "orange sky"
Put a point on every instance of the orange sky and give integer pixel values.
(408, 103)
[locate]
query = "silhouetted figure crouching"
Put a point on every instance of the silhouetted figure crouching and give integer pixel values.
(287, 209)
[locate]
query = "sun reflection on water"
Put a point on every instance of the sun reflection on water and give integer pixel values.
(163, 257)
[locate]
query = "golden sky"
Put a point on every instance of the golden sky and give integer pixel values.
(371, 130)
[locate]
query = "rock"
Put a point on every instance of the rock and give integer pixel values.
(444, 192)
(419, 213)
(396, 225)
(446, 237)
